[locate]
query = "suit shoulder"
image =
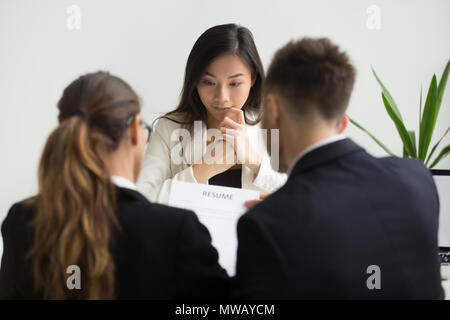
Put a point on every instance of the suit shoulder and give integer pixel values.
(172, 212)
(405, 165)
(263, 211)
(18, 216)
(400, 161)
(134, 209)
(22, 209)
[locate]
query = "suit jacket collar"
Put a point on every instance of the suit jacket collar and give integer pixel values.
(324, 154)
(129, 193)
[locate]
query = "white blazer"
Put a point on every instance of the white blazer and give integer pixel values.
(159, 169)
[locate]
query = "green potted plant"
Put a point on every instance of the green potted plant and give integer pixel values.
(427, 121)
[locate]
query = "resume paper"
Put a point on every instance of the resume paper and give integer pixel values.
(219, 209)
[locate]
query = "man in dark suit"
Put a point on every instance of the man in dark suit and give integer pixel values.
(345, 225)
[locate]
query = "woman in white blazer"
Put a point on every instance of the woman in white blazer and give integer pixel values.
(212, 136)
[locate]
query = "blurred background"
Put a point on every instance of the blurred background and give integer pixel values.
(46, 44)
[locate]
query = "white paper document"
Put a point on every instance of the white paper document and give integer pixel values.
(219, 209)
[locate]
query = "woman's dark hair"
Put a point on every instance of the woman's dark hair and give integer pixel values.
(76, 199)
(215, 42)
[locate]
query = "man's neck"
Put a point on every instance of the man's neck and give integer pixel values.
(298, 143)
(314, 146)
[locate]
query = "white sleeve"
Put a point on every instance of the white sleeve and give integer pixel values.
(267, 179)
(156, 175)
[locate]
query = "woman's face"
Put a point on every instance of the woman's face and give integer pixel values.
(225, 84)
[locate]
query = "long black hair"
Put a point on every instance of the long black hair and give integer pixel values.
(215, 42)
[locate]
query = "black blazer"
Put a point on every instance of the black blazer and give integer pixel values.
(340, 212)
(161, 253)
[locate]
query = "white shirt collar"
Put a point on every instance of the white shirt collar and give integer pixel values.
(123, 182)
(314, 146)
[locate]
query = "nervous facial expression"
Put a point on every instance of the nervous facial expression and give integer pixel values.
(225, 84)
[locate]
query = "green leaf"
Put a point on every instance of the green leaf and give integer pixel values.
(444, 153)
(412, 136)
(388, 96)
(442, 85)
(420, 108)
(373, 137)
(436, 145)
(404, 135)
(428, 120)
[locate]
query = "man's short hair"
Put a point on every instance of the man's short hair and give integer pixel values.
(312, 75)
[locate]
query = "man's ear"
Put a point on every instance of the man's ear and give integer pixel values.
(134, 130)
(343, 123)
(272, 110)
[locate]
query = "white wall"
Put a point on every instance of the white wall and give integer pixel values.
(147, 43)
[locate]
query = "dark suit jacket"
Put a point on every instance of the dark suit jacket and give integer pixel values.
(161, 253)
(340, 212)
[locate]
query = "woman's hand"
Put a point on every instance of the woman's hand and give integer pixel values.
(236, 131)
